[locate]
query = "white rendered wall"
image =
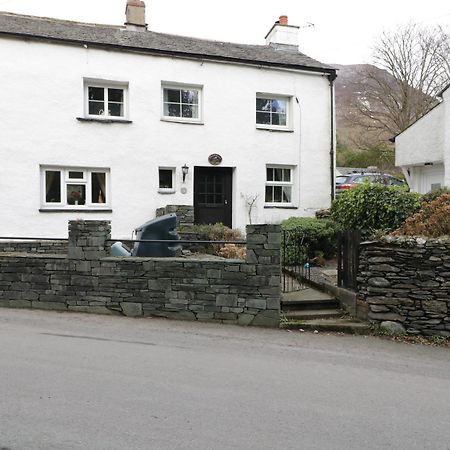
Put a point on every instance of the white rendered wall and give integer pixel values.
(42, 94)
(422, 142)
(446, 127)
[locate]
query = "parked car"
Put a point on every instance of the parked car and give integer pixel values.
(344, 182)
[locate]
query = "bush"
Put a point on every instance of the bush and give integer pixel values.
(433, 195)
(319, 236)
(374, 208)
(433, 219)
(219, 232)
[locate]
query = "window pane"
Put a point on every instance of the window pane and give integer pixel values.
(287, 194)
(279, 119)
(278, 174)
(269, 174)
(98, 182)
(172, 110)
(76, 194)
(76, 175)
(277, 194)
(263, 118)
(287, 175)
(269, 196)
(52, 186)
(190, 111)
(96, 108)
(96, 93)
(115, 95)
(115, 109)
(190, 97)
(165, 179)
(279, 106)
(263, 104)
(172, 95)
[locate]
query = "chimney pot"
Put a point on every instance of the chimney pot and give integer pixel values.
(283, 20)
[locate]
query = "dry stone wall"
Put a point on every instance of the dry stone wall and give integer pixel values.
(407, 281)
(51, 247)
(88, 280)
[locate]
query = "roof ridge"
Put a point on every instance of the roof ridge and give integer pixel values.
(56, 19)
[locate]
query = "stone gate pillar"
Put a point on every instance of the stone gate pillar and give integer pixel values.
(88, 239)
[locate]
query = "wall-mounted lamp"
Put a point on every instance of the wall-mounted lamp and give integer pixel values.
(184, 171)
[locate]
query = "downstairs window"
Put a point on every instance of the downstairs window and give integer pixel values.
(74, 188)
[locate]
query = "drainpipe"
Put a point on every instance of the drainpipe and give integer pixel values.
(331, 78)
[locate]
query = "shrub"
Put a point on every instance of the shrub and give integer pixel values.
(232, 251)
(319, 237)
(433, 219)
(374, 208)
(433, 195)
(215, 232)
(219, 232)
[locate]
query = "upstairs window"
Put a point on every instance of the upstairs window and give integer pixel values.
(75, 188)
(272, 112)
(279, 185)
(181, 103)
(105, 101)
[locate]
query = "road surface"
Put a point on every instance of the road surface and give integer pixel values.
(75, 381)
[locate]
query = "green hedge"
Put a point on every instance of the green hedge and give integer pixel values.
(317, 236)
(374, 209)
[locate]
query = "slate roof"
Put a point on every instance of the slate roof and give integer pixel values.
(118, 37)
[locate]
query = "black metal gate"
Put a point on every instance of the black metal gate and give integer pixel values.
(348, 258)
(295, 265)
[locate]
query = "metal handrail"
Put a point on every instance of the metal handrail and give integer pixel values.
(174, 241)
(153, 241)
(15, 238)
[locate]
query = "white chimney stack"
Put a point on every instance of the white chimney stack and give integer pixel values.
(283, 34)
(135, 15)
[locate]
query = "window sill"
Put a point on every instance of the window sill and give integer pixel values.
(180, 120)
(166, 191)
(77, 210)
(269, 128)
(109, 120)
(280, 207)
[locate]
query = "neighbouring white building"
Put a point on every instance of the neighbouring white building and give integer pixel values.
(112, 122)
(423, 149)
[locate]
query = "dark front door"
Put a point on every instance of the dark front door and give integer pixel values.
(212, 195)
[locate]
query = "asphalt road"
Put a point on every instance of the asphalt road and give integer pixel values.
(73, 381)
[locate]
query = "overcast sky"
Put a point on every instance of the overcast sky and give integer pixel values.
(343, 32)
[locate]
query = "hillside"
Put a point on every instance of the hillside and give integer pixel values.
(350, 87)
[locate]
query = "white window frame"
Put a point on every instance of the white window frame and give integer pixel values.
(290, 184)
(173, 188)
(65, 180)
(183, 87)
(288, 100)
(105, 84)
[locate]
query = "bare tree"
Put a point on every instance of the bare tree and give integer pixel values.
(412, 66)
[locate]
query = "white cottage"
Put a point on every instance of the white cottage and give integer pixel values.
(423, 149)
(114, 122)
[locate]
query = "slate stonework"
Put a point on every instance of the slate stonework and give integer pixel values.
(407, 280)
(50, 247)
(87, 280)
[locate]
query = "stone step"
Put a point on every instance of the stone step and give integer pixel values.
(313, 314)
(302, 305)
(307, 299)
(350, 326)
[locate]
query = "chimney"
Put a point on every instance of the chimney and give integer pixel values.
(283, 35)
(135, 15)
